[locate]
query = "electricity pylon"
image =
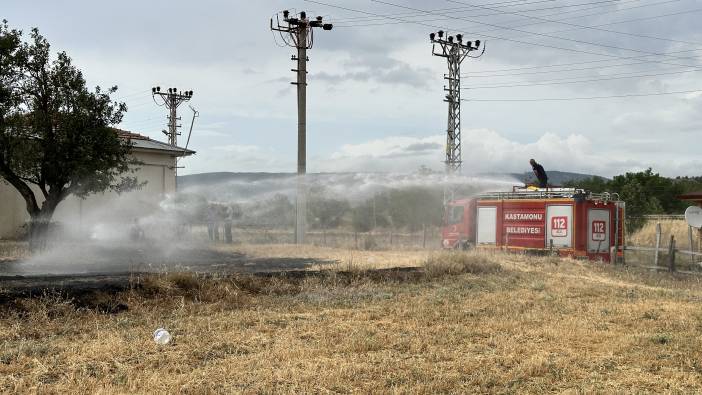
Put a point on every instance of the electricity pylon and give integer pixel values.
(172, 99)
(298, 32)
(455, 51)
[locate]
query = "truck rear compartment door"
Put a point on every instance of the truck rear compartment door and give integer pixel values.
(487, 225)
(598, 231)
(559, 226)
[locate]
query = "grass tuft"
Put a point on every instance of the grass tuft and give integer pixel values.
(452, 263)
(662, 338)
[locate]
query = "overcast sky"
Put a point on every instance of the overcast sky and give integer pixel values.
(375, 92)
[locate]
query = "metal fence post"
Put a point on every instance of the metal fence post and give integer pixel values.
(671, 254)
(689, 236)
(424, 236)
(658, 243)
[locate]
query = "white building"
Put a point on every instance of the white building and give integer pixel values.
(158, 170)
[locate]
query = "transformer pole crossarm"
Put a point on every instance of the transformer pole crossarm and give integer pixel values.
(171, 99)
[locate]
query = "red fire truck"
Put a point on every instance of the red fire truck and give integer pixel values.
(564, 221)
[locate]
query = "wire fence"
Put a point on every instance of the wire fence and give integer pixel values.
(379, 239)
(666, 243)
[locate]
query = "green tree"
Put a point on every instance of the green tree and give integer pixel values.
(371, 213)
(362, 217)
(276, 211)
(55, 134)
(324, 212)
(414, 207)
(644, 192)
(592, 184)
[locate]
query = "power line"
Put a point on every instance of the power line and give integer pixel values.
(566, 81)
(535, 34)
(639, 19)
(599, 14)
(379, 20)
(472, 75)
(580, 63)
(577, 26)
(584, 98)
(466, 8)
(456, 9)
(498, 37)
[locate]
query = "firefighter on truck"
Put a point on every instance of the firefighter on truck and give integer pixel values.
(540, 173)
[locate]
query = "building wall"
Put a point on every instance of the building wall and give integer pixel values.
(158, 170)
(12, 210)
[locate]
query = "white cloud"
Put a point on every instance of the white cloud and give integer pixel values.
(484, 150)
(239, 149)
(237, 158)
(370, 87)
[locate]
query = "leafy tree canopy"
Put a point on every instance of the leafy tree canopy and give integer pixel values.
(55, 134)
(644, 192)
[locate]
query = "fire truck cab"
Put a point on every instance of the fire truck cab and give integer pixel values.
(564, 221)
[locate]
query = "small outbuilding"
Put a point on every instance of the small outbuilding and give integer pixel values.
(157, 171)
(692, 197)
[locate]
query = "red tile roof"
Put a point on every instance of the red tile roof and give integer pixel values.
(140, 141)
(131, 135)
(694, 196)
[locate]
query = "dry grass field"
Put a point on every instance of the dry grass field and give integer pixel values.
(346, 259)
(13, 250)
(646, 236)
(464, 323)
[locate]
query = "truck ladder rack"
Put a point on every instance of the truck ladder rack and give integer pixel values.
(550, 193)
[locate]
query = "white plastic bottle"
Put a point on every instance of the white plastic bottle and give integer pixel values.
(161, 336)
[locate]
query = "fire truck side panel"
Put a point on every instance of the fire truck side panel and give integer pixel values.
(598, 230)
(487, 225)
(559, 225)
(573, 226)
(522, 224)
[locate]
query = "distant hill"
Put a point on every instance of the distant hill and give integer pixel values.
(225, 186)
(203, 179)
(555, 177)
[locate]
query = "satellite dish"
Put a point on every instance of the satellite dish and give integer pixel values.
(693, 216)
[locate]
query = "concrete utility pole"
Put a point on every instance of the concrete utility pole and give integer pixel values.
(455, 51)
(171, 100)
(298, 32)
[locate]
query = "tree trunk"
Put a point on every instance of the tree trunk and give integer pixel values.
(228, 232)
(38, 234)
(39, 224)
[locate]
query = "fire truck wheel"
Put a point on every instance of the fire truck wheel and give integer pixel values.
(463, 245)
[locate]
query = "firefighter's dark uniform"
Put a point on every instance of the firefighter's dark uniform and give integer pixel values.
(540, 175)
